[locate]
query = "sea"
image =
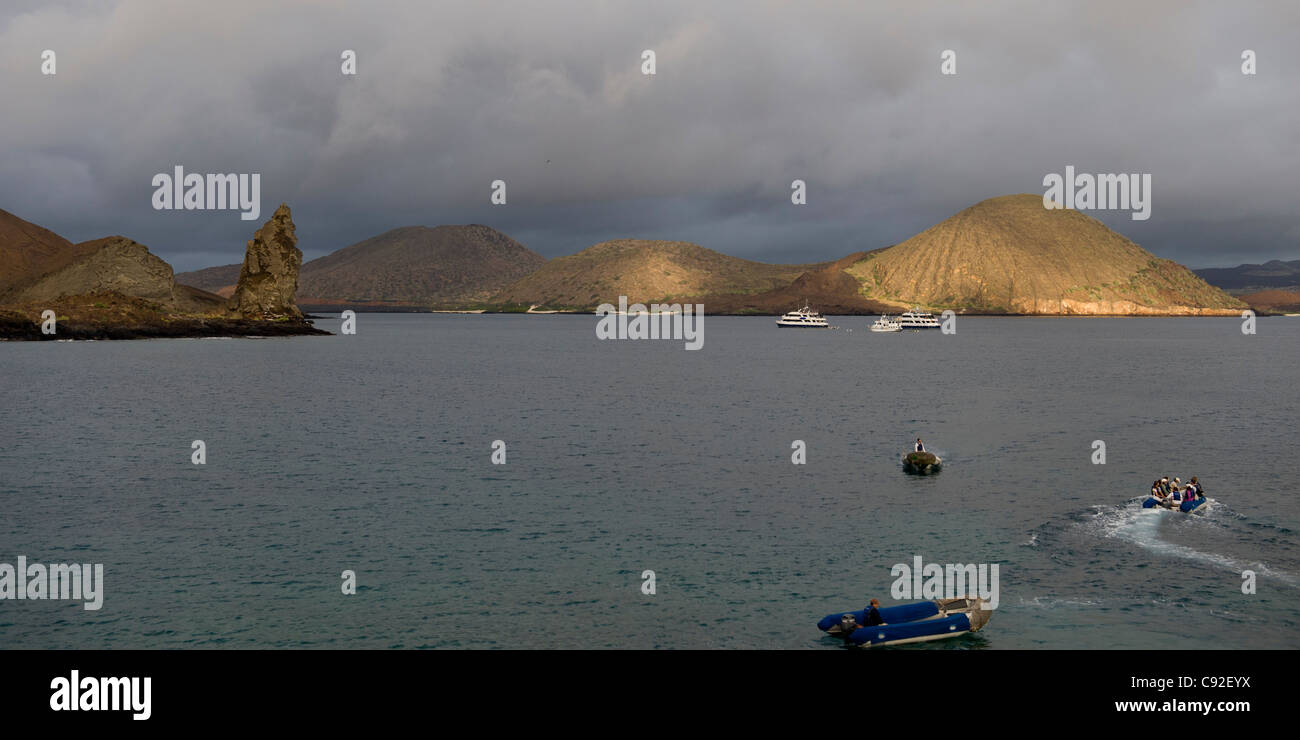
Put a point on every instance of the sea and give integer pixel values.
(646, 496)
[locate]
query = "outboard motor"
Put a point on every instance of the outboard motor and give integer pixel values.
(848, 623)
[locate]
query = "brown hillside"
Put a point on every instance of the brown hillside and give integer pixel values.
(645, 271)
(219, 280)
(1274, 301)
(28, 251)
(828, 289)
(1011, 255)
(113, 263)
(418, 265)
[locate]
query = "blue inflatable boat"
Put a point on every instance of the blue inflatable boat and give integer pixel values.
(919, 621)
(1187, 506)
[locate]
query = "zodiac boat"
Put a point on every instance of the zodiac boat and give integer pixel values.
(1173, 502)
(921, 462)
(920, 621)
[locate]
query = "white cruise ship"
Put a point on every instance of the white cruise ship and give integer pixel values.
(918, 319)
(804, 318)
(884, 323)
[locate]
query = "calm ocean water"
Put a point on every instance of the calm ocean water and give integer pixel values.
(372, 453)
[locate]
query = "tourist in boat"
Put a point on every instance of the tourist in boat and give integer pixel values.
(919, 447)
(873, 614)
(1160, 491)
(1200, 490)
(1164, 484)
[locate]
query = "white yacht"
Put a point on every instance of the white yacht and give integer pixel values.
(884, 323)
(804, 318)
(918, 319)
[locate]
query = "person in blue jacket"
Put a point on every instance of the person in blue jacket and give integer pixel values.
(873, 614)
(919, 447)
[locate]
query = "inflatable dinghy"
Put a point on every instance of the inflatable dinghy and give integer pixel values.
(920, 621)
(1187, 506)
(921, 462)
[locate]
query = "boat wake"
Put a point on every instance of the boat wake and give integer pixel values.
(1051, 602)
(1142, 527)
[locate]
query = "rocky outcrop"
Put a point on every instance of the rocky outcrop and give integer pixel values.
(113, 264)
(114, 288)
(268, 281)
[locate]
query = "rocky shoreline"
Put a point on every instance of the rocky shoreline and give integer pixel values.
(831, 310)
(20, 329)
(115, 316)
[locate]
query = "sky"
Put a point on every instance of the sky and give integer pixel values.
(550, 97)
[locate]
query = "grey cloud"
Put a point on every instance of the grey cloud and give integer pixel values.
(748, 96)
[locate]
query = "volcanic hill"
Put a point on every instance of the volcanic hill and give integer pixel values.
(1010, 255)
(645, 271)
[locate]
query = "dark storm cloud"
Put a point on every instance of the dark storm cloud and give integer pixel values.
(749, 96)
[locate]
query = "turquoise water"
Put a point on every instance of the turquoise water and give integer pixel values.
(373, 453)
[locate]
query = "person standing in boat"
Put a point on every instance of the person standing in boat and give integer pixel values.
(919, 447)
(872, 617)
